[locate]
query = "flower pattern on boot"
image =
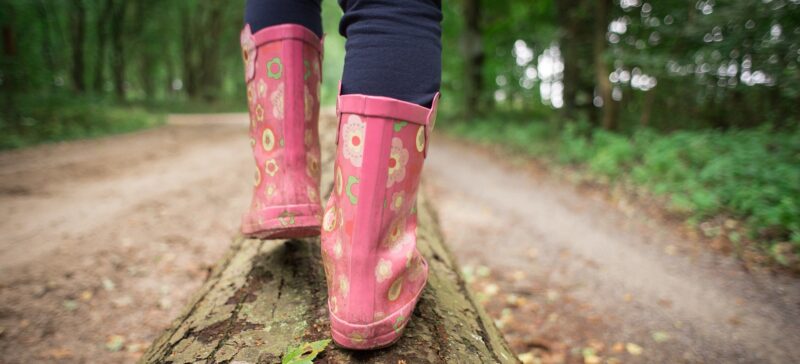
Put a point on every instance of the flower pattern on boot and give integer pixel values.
(285, 142)
(375, 273)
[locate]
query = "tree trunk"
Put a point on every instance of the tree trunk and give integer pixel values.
(647, 109)
(118, 48)
(267, 295)
(11, 83)
(472, 46)
(47, 41)
(568, 43)
(601, 71)
(187, 48)
(576, 37)
(78, 21)
(210, 45)
(101, 25)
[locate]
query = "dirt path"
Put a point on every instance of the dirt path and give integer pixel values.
(103, 241)
(582, 273)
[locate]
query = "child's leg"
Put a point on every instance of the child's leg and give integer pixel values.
(282, 54)
(266, 13)
(386, 112)
(394, 48)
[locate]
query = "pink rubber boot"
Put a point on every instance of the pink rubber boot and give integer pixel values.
(282, 70)
(374, 272)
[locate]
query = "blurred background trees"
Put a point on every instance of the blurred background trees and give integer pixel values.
(622, 63)
(714, 84)
(614, 63)
(127, 50)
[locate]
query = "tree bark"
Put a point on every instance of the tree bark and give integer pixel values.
(187, 50)
(210, 45)
(568, 43)
(78, 21)
(474, 55)
(47, 41)
(604, 87)
(267, 295)
(118, 48)
(101, 26)
(647, 109)
(576, 37)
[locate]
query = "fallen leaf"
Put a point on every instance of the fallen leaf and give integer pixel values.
(491, 289)
(660, 336)
(115, 343)
(618, 347)
(527, 358)
(134, 347)
(634, 349)
(108, 284)
(86, 295)
(122, 301)
(597, 345)
(57, 353)
(305, 353)
(663, 302)
(468, 272)
(512, 299)
(590, 356)
(70, 305)
(627, 297)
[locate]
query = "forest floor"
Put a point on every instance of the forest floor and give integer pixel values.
(103, 241)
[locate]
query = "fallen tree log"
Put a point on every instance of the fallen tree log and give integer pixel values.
(267, 295)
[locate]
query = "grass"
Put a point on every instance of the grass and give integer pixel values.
(752, 176)
(32, 121)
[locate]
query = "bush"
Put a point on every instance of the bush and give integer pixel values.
(34, 121)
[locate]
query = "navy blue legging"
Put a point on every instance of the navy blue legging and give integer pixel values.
(393, 48)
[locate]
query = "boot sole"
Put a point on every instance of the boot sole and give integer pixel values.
(283, 222)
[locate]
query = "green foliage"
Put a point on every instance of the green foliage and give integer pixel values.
(305, 353)
(49, 119)
(749, 174)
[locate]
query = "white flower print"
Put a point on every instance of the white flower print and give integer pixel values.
(394, 237)
(312, 193)
(420, 139)
(277, 102)
(398, 158)
(397, 201)
(344, 286)
(262, 88)
(271, 167)
(337, 248)
(248, 52)
(383, 270)
(353, 134)
(329, 221)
